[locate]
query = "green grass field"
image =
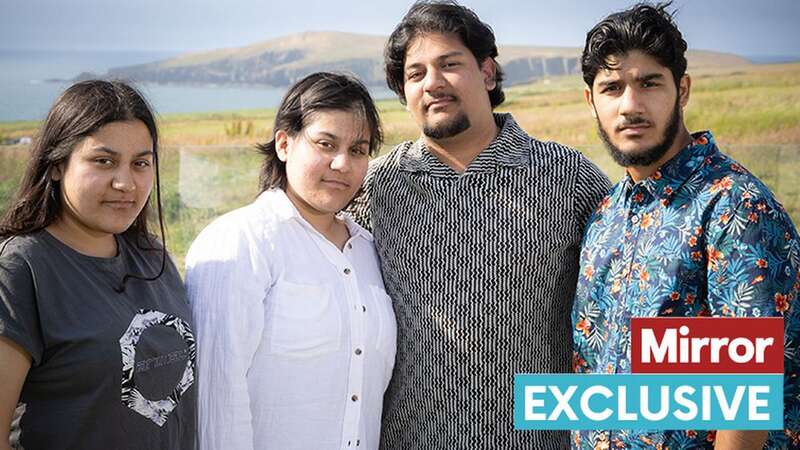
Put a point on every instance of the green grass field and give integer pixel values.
(209, 166)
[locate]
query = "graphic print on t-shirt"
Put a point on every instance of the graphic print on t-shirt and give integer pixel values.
(157, 410)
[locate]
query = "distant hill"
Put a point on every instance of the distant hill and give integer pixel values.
(282, 61)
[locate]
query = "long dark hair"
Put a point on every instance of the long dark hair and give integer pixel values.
(321, 91)
(78, 112)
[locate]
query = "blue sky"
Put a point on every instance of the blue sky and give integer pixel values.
(745, 27)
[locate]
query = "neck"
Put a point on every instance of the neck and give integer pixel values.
(333, 229)
(87, 242)
(460, 150)
(682, 140)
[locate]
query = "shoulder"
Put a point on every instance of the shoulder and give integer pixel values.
(384, 167)
(731, 185)
(569, 163)
(229, 233)
(389, 161)
(741, 206)
(25, 249)
(551, 152)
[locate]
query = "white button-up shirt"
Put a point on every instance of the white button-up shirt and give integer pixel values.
(295, 338)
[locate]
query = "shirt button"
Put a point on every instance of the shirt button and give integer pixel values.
(358, 351)
(349, 245)
(635, 219)
(347, 271)
(354, 398)
(364, 308)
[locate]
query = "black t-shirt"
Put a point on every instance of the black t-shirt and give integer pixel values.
(110, 369)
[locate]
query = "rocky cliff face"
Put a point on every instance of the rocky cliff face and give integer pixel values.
(281, 62)
(524, 70)
(266, 69)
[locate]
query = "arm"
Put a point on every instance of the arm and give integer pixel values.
(20, 336)
(591, 185)
(753, 255)
(226, 292)
(740, 440)
(359, 207)
(15, 362)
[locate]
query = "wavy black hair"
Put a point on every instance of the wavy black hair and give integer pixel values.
(441, 17)
(645, 27)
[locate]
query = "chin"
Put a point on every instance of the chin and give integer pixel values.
(634, 148)
(330, 207)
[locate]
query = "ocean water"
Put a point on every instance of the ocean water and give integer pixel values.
(26, 95)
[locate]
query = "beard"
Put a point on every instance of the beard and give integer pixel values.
(448, 128)
(647, 156)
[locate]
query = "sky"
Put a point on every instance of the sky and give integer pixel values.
(744, 27)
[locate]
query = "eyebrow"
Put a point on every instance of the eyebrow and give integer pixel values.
(649, 77)
(335, 138)
(116, 153)
(638, 79)
(438, 58)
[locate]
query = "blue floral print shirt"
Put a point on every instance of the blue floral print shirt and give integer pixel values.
(700, 237)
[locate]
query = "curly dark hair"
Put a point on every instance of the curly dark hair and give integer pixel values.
(645, 27)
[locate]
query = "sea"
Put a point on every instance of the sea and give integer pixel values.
(27, 90)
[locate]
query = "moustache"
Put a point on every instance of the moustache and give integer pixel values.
(633, 122)
(440, 97)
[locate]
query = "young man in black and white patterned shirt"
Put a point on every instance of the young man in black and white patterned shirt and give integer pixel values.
(478, 228)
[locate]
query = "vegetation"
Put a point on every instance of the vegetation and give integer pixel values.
(209, 166)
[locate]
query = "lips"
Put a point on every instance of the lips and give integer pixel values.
(440, 101)
(120, 204)
(336, 183)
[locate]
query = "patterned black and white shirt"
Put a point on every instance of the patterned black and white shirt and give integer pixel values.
(482, 268)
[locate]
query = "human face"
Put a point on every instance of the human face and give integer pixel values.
(106, 181)
(325, 162)
(446, 89)
(638, 109)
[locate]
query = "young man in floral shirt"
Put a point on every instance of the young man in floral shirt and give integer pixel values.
(688, 232)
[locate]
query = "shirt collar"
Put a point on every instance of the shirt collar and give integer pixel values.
(665, 181)
(278, 203)
(511, 148)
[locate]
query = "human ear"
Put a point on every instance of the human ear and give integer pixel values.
(587, 95)
(489, 71)
(57, 172)
(684, 88)
(281, 144)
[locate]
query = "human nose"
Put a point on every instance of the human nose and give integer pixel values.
(433, 80)
(341, 162)
(123, 180)
(630, 102)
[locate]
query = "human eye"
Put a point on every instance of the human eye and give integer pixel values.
(609, 88)
(325, 145)
(359, 151)
(142, 163)
(451, 64)
(414, 75)
(103, 161)
(649, 84)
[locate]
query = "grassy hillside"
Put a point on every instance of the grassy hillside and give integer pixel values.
(209, 166)
(283, 60)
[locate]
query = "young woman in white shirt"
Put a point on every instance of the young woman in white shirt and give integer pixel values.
(295, 333)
